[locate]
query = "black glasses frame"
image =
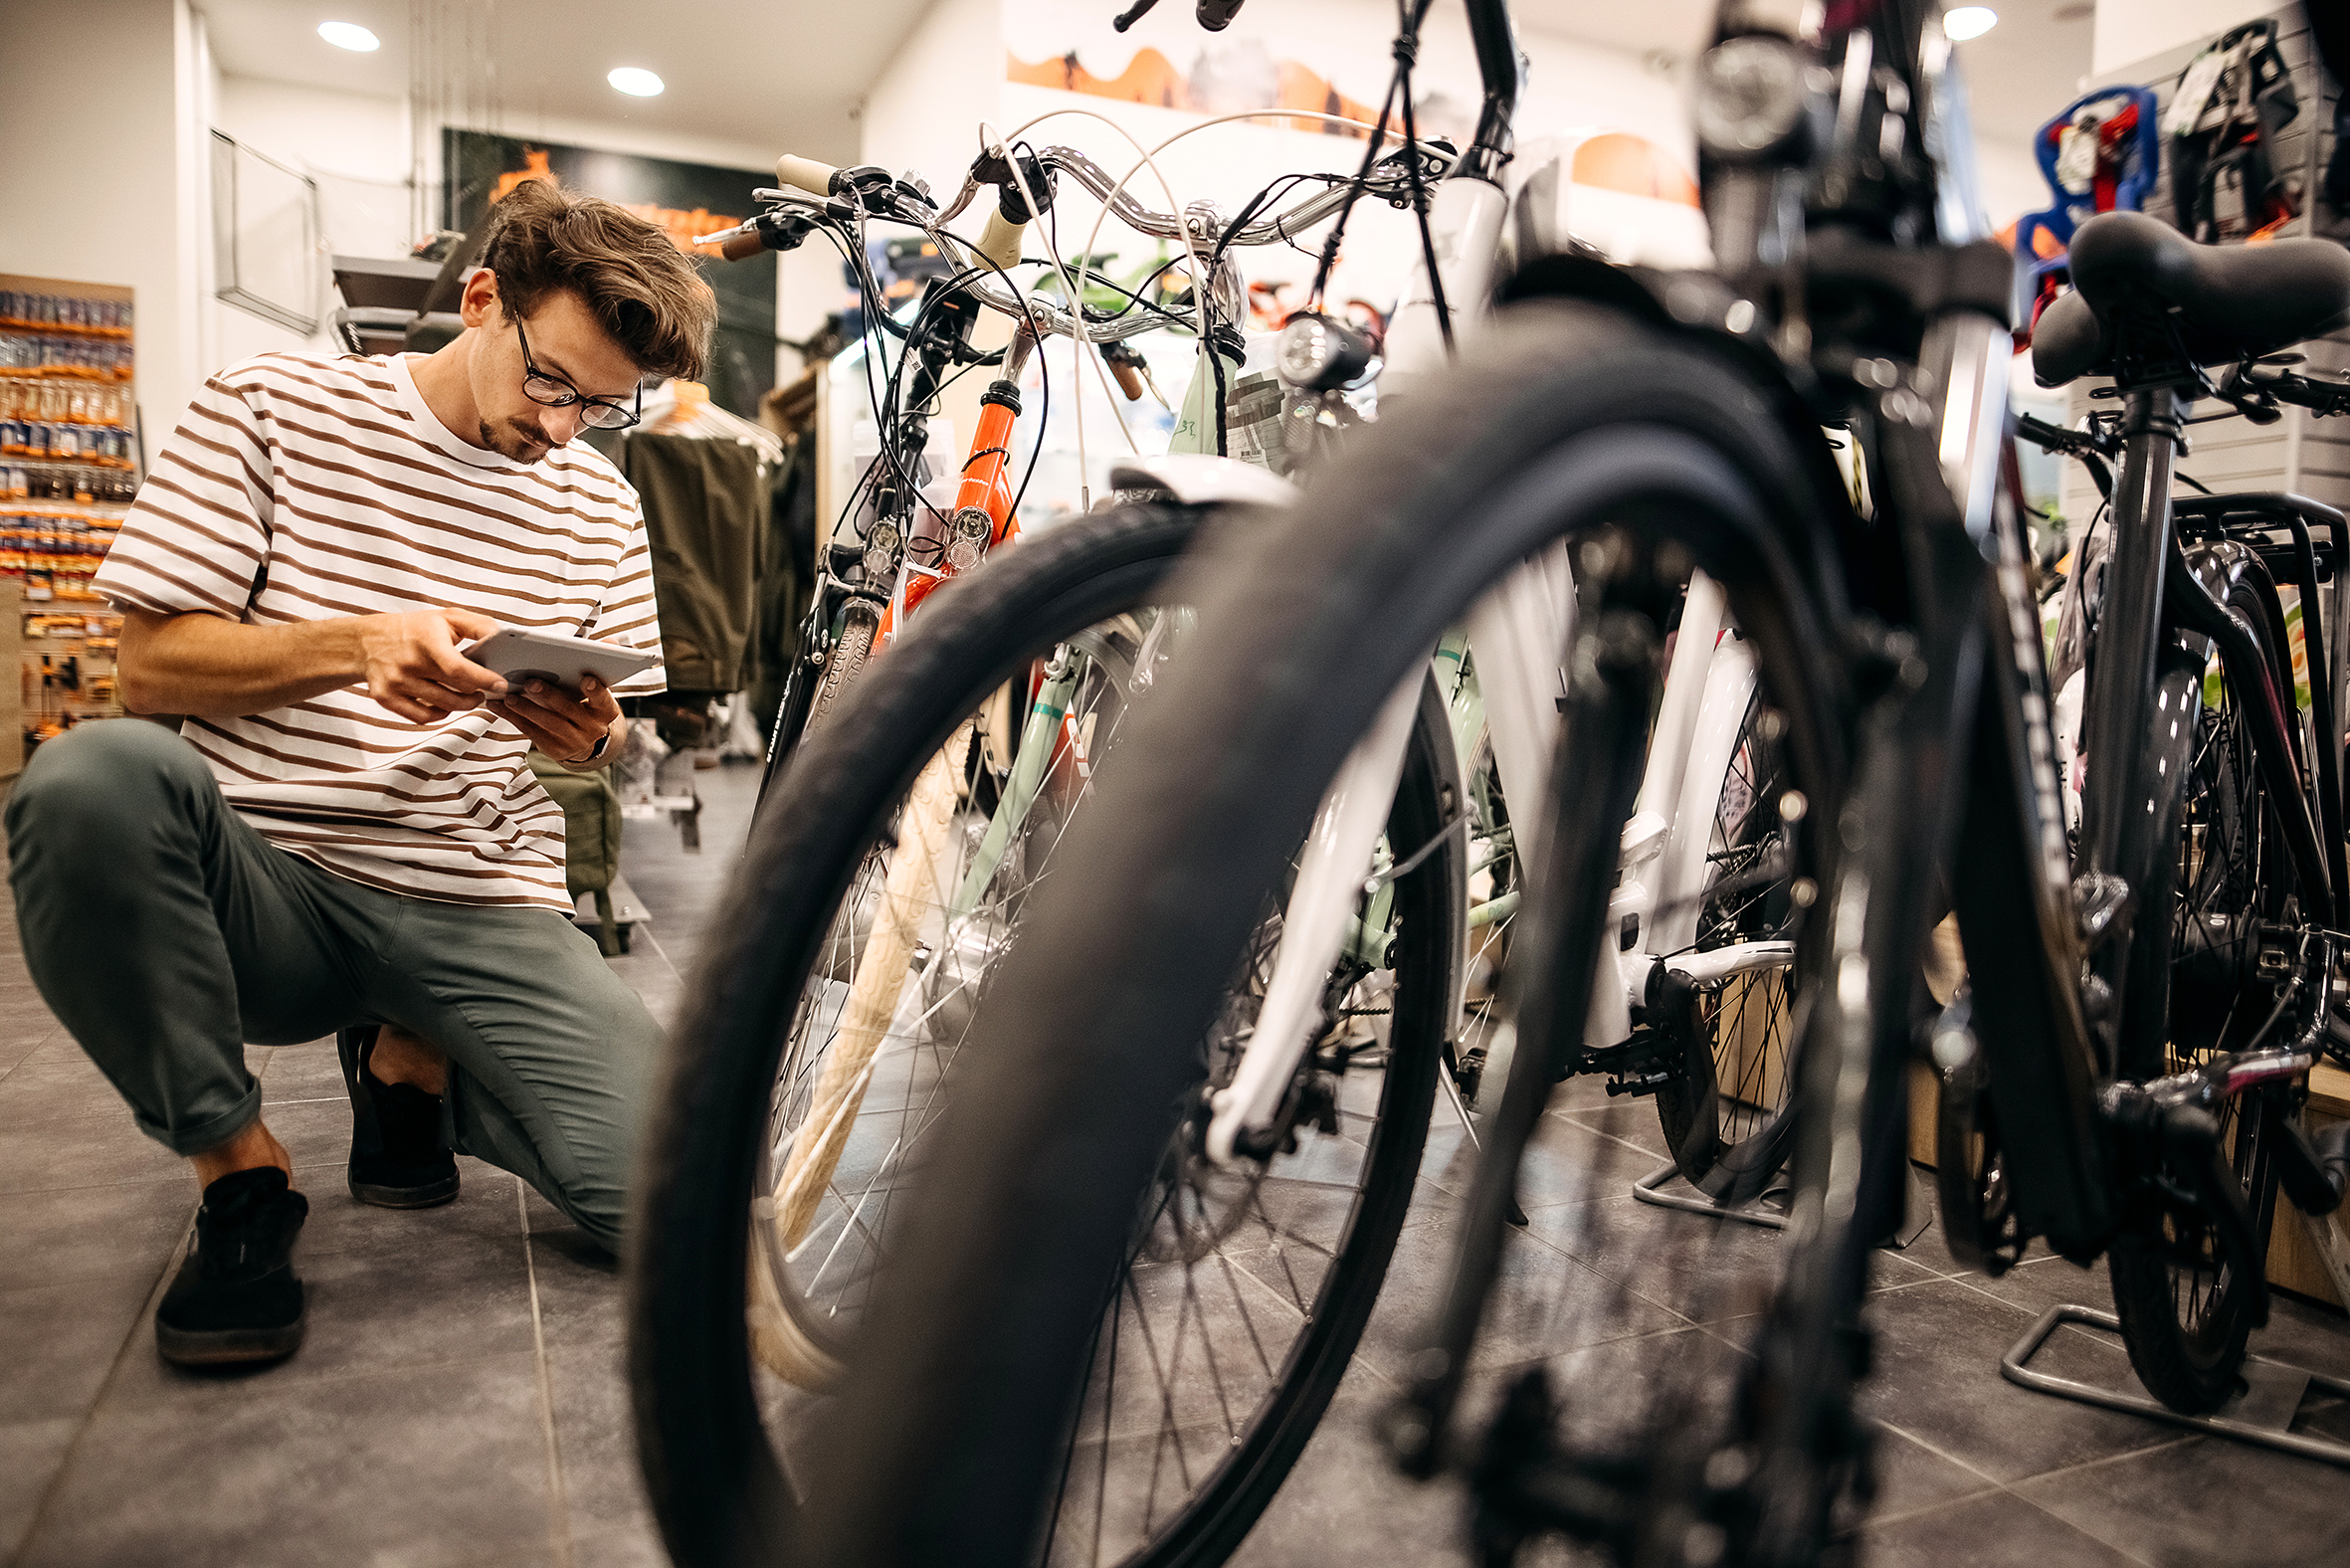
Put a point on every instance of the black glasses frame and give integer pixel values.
(571, 394)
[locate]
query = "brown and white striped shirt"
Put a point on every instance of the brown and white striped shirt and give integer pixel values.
(300, 489)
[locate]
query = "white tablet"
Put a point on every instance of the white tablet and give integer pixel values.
(559, 661)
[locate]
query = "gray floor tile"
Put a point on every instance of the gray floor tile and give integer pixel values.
(1910, 1476)
(58, 1342)
(602, 1484)
(316, 1132)
(95, 1232)
(89, 1149)
(56, 1079)
(631, 1546)
(304, 1072)
(2038, 1284)
(435, 1469)
(2160, 1506)
(2303, 1334)
(1936, 1375)
(1704, 1269)
(1345, 1503)
(21, 1034)
(579, 1290)
(30, 1453)
(1564, 1162)
(1544, 1303)
(1995, 1530)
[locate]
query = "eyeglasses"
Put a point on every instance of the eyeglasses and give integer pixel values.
(551, 391)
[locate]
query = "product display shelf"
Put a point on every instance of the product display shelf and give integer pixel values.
(69, 463)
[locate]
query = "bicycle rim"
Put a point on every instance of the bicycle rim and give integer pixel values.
(1725, 1113)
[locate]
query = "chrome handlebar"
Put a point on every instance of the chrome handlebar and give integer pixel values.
(1201, 226)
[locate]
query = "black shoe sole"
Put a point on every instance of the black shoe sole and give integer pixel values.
(229, 1346)
(430, 1196)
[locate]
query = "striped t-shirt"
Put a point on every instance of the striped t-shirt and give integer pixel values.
(300, 489)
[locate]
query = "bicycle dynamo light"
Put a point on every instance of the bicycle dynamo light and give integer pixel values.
(972, 525)
(1317, 354)
(881, 551)
(1752, 97)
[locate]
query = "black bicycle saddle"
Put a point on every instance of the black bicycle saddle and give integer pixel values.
(2230, 303)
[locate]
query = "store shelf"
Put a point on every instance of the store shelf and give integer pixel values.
(68, 451)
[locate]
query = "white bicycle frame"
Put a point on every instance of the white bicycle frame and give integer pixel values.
(1517, 636)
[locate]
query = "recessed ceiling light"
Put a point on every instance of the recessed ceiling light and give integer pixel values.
(351, 36)
(1969, 21)
(636, 83)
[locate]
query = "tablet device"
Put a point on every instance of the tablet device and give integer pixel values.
(559, 660)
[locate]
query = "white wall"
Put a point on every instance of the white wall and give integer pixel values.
(356, 146)
(2133, 29)
(923, 111)
(97, 184)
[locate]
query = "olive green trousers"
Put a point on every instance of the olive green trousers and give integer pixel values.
(166, 933)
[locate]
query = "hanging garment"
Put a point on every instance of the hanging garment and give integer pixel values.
(705, 502)
(2232, 101)
(787, 558)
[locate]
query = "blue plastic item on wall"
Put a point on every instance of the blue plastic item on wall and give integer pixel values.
(2069, 208)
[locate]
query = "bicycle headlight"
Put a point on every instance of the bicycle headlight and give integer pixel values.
(880, 553)
(1316, 354)
(968, 538)
(1752, 95)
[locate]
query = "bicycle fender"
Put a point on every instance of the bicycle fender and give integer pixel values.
(1200, 479)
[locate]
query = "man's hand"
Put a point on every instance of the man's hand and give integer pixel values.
(412, 664)
(561, 725)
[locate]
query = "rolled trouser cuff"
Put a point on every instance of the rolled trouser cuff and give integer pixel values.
(205, 1136)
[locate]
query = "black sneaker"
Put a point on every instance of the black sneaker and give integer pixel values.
(236, 1298)
(397, 1159)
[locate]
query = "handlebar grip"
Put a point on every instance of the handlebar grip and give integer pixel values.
(743, 247)
(999, 242)
(805, 174)
(1128, 378)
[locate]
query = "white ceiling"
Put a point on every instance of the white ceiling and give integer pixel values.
(763, 74)
(758, 73)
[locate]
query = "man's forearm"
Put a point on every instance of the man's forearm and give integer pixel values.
(205, 665)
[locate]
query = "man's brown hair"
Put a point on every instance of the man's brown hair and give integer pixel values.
(645, 291)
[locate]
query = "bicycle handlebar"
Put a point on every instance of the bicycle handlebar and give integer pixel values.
(807, 174)
(821, 191)
(2322, 397)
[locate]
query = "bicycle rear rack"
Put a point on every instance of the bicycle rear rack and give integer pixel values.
(2264, 1414)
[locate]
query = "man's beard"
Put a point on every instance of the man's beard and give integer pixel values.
(520, 441)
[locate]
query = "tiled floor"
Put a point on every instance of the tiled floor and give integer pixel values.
(460, 1401)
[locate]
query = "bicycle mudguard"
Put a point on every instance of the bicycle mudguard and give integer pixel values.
(2190, 603)
(1201, 479)
(2028, 1024)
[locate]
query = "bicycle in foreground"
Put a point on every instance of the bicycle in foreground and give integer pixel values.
(2137, 1079)
(877, 940)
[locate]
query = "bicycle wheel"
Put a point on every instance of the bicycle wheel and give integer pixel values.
(1570, 420)
(805, 1084)
(2186, 1314)
(1726, 1098)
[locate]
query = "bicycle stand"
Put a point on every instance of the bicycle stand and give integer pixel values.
(2263, 1414)
(1757, 1211)
(1768, 1208)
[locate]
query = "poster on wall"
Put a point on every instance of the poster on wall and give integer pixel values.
(686, 199)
